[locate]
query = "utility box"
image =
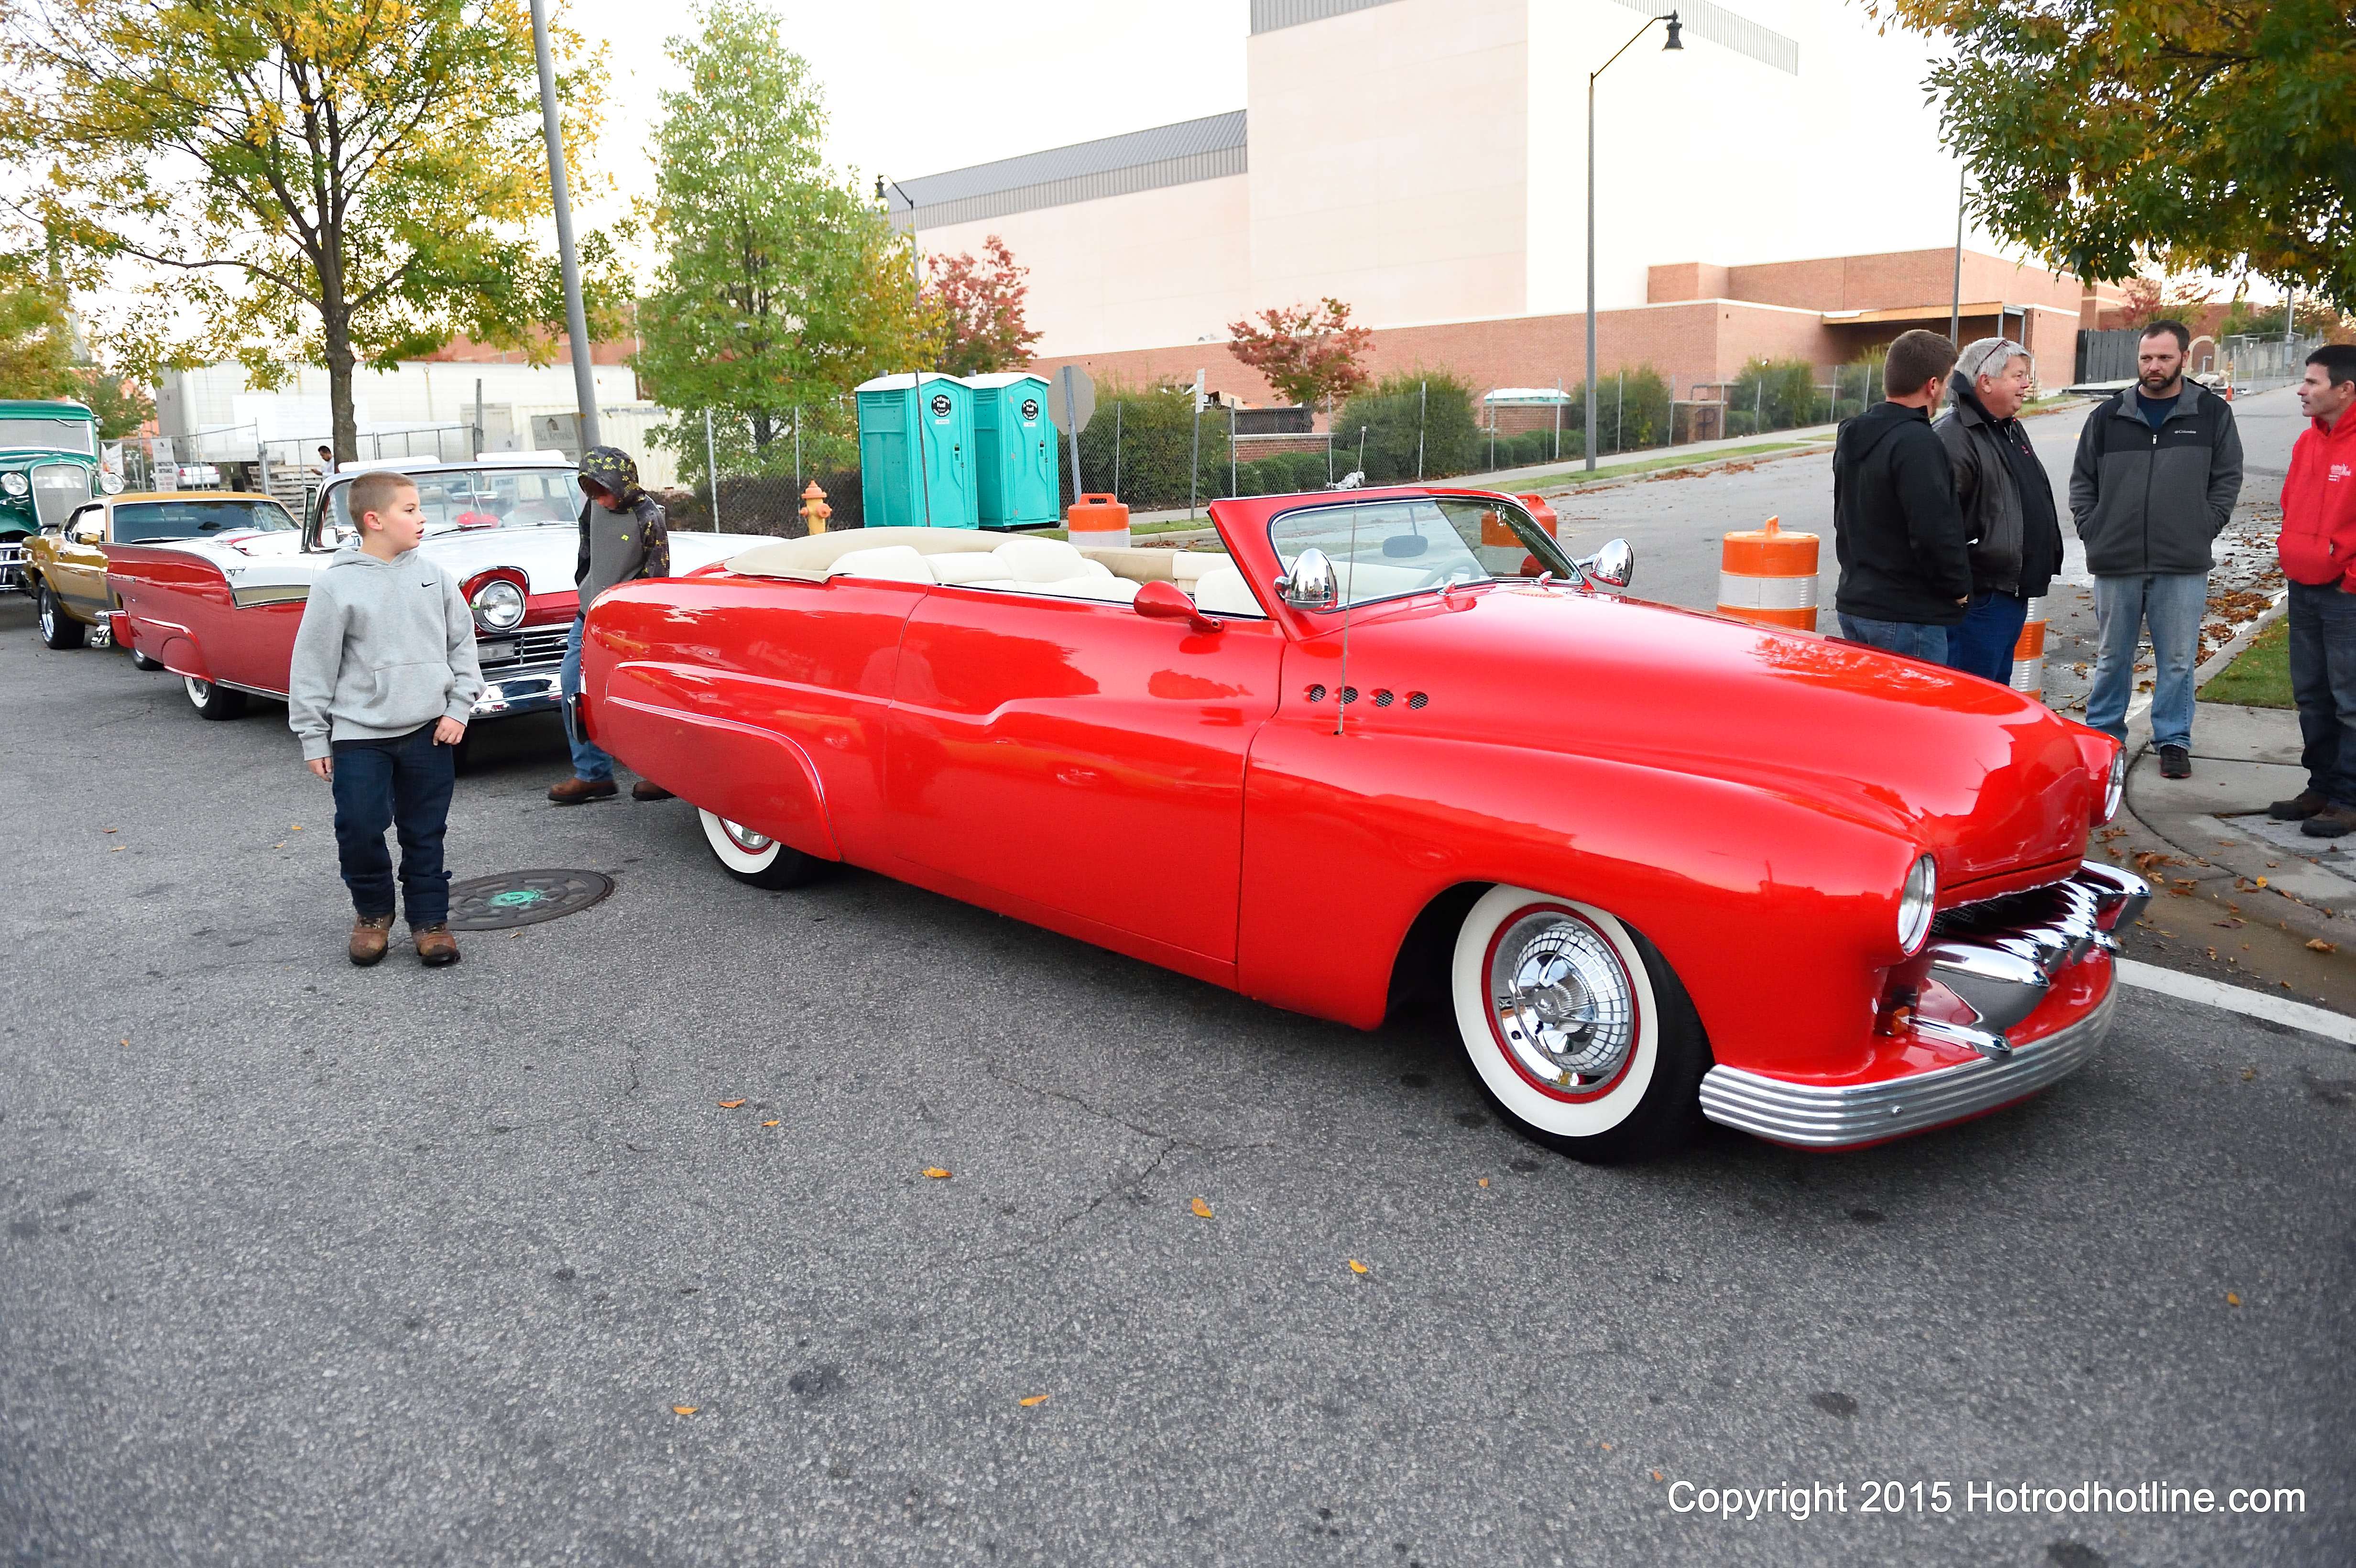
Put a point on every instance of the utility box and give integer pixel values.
(1015, 482)
(916, 452)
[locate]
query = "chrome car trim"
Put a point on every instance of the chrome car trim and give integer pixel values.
(1835, 1116)
(509, 692)
(2000, 983)
(11, 568)
(1613, 566)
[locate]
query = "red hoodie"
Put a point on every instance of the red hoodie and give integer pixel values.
(2319, 503)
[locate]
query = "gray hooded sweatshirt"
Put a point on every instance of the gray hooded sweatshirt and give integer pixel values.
(385, 648)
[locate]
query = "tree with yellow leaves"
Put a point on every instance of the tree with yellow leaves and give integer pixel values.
(335, 183)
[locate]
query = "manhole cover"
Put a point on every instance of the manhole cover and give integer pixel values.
(523, 897)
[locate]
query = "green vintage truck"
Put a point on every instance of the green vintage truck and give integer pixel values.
(48, 466)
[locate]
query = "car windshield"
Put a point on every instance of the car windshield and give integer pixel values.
(471, 499)
(1381, 549)
(138, 520)
(47, 435)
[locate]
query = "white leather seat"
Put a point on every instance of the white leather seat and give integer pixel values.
(1107, 588)
(890, 563)
(1223, 591)
(967, 566)
(1041, 561)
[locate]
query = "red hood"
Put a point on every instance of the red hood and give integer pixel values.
(1986, 779)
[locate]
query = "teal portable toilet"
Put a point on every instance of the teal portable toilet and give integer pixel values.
(1015, 479)
(916, 452)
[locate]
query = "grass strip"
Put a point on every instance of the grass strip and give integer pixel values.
(2259, 676)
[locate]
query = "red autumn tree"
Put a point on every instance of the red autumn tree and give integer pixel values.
(983, 302)
(1308, 353)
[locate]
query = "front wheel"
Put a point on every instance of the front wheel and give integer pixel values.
(213, 701)
(750, 856)
(1577, 1027)
(59, 630)
(141, 661)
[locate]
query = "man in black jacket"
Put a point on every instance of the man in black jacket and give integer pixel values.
(1905, 574)
(2158, 473)
(2006, 500)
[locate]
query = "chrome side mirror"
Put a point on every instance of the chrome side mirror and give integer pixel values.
(1311, 584)
(1613, 566)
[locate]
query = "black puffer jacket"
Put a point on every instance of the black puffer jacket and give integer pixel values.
(2006, 498)
(1901, 539)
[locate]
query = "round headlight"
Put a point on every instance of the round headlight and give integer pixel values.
(110, 484)
(1915, 904)
(498, 605)
(14, 484)
(2115, 790)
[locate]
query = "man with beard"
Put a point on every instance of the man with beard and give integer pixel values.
(2008, 503)
(2158, 472)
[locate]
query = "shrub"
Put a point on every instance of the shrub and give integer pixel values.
(1773, 394)
(1436, 405)
(1631, 411)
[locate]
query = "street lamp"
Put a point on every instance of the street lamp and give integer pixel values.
(1677, 41)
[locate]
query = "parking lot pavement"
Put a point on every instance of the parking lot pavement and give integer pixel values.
(312, 1265)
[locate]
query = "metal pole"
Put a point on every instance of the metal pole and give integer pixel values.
(1619, 407)
(2290, 312)
(797, 446)
(576, 318)
(1557, 419)
(1116, 449)
(1072, 429)
(1362, 452)
(1591, 270)
(1195, 453)
(1955, 307)
(479, 417)
(1233, 488)
(1423, 402)
(712, 469)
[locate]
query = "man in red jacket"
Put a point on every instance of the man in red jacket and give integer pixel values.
(2317, 546)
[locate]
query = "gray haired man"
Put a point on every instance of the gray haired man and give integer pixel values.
(2006, 501)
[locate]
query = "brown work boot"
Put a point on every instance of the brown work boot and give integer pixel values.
(646, 789)
(370, 934)
(2334, 821)
(2299, 808)
(435, 946)
(572, 792)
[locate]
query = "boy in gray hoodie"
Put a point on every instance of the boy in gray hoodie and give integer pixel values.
(383, 681)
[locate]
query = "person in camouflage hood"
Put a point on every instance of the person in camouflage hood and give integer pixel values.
(623, 536)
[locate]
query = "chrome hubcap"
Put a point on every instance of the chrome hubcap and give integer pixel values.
(199, 691)
(1561, 1001)
(744, 839)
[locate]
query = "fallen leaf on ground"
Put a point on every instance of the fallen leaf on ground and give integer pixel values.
(2317, 944)
(117, 849)
(768, 1124)
(126, 1042)
(685, 1409)
(1656, 1475)
(936, 1173)
(730, 1105)
(2233, 1300)
(1035, 1398)
(2262, 881)
(1485, 1181)
(2228, 924)
(293, 827)
(1358, 1267)
(1202, 1208)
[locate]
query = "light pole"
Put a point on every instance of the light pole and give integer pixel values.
(576, 319)
(1676, 42)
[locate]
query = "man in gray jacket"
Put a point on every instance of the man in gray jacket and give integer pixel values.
(2006, 501)
(2158, 473)
(624, 535)
(383, 680)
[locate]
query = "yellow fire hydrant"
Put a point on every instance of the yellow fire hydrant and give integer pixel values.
(815, 511)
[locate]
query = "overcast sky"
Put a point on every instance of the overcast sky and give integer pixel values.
(914, 87)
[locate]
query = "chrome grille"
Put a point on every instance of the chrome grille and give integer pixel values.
(533, 645)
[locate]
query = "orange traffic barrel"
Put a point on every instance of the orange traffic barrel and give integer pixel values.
(1768, 577)
(1541, 514)
(2029, 652)
(1098, 522)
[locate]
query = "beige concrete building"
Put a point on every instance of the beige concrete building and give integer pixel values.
(1425, 161)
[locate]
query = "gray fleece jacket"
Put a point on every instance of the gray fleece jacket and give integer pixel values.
(385, 648)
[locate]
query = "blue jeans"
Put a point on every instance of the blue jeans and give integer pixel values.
(404, 786)
(2323, 683)
(1983, 645)
(2171, 604)
(1910, 637)
(589, 759)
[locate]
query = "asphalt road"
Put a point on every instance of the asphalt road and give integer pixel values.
(307, 1264)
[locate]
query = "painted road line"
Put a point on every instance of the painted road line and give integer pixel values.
(2238, 999)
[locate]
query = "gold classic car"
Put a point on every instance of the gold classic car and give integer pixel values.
(66, 564)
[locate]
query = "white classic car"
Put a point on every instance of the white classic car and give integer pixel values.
(220, 609)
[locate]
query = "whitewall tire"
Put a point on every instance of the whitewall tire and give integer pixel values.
(1574, 1026)
(750, 856)
(212, 701)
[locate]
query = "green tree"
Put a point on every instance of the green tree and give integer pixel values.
(309, 179)
(2218, 136)
(37, 349)
(1427, 412)
(781, 287)
(122, 406)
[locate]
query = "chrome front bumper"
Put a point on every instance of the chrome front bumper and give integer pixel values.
(1820, 1117)
(1997, 958)
(512, 689)
(12, 569)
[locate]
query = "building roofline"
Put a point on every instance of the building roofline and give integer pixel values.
(1178, 153)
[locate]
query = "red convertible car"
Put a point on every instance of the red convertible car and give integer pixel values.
(1656, 865)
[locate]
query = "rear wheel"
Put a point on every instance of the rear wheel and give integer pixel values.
(141, 661)
(213, 701)
(59, 630)
(750, 856)
(1576, 1026)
